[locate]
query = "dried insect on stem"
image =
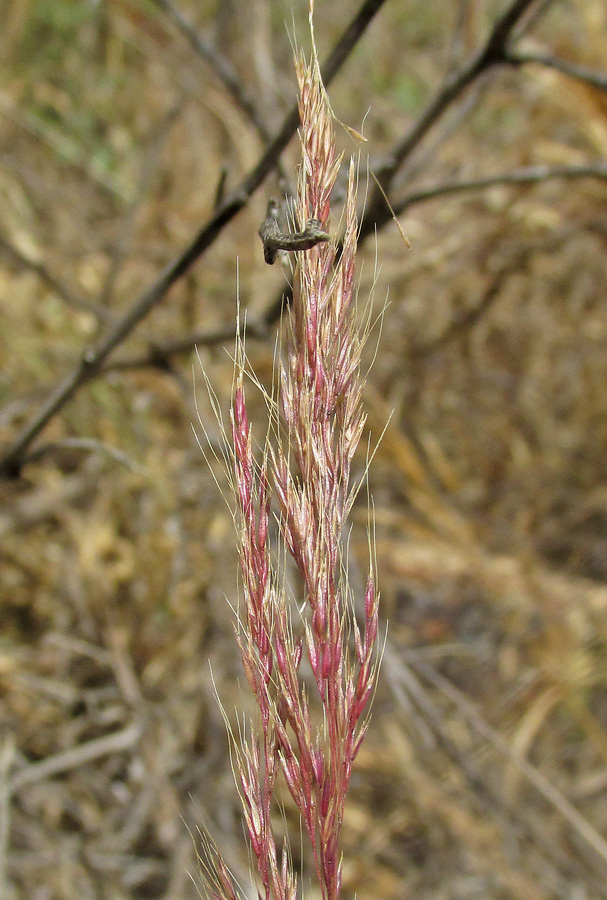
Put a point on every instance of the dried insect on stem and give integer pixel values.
(274, 239)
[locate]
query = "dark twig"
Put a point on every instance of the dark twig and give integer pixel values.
(161, 352)
(220, 190)
(492, 53)
(573, 70)
(93, 359)
(526, 175)
(383, 214)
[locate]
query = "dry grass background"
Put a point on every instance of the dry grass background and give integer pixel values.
(484, 774)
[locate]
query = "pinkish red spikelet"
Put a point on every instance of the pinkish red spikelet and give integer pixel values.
(307, 469)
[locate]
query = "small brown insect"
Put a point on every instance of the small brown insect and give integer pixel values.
(274, 239)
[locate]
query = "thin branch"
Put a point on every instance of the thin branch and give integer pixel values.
(39, 269)
(220, 190)
(409, 691)
(226, 74)
(455, 50)
(469, 317)
(383, 214)
(118, 742)
(573, 70)
(526, 175)
(542, 785)
(125, 231)
(492, 53)
(161, 352)
(94, 357)
(86, 445)
(7, 754)
(67, 149)
(220, 65)
(412, 170)
(537, 13)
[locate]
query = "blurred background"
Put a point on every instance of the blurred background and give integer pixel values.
(123, 126)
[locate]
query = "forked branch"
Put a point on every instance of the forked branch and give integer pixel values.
(93, 358)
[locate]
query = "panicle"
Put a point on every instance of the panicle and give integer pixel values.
(313, 741)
